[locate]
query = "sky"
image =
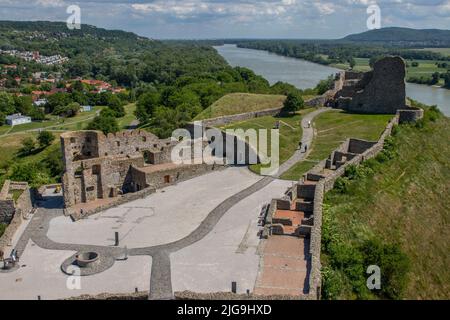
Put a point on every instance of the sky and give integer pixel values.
(211, 19)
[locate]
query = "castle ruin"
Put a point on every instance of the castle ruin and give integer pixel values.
(99, 166)
(379, 91)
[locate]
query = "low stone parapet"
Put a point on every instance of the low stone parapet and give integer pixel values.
(410, 115)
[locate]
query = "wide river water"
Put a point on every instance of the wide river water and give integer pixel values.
(304, 74)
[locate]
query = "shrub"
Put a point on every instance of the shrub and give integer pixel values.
(105, 123)
(45, 138)
(293, 103)
(341, 185)
(395, 130)
(394, 265)
(34, 173)
(2, 228)
(334, 283)
(28, 145)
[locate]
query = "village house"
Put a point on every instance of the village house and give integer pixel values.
(85, 108)
(40, 102)
(17, 119)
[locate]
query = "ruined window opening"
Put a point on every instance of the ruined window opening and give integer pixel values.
(118, 143)
(72, 140)
(96, 169)
(88, 140)
(89, 189)
(144, 139)
(149, 158)
(167, 179)
(79, 172)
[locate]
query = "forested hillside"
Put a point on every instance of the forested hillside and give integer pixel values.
(171, 81)
(404, 36)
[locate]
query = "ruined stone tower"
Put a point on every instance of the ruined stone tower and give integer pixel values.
(381, 90)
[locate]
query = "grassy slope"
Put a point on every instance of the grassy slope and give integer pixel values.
(129, 117)
(407, 202)
(332, 129)
(236, 103)
(290, 132)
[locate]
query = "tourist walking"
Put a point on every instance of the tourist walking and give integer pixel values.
(300, 144)
(306, 148)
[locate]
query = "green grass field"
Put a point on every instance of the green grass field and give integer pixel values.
(444, 51)
(406, 203)
(333, 128)
(290, 133)
(54, 123)
(236, 103)
(129, 117)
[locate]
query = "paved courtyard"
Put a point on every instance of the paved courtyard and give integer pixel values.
(220, 209)
(166, 216)
(40, 275)
(229, 252)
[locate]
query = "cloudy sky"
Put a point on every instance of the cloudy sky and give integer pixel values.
(236, 18)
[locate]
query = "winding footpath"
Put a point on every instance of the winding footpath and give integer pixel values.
(160, 280)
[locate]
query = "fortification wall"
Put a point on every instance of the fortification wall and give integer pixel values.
(326, 184)
(410, 115)
(12, 213)
(225, 120)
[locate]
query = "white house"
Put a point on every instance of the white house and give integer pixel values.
(40, 102)
(86, 108)
(16, 119)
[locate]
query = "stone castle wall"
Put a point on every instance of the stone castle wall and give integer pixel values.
(97, 165)
(380, 91)
(326, 184)
(12, 213)
(410, 115)
(225, 120)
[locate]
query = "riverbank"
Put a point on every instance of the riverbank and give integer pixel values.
(418, 71)
(304, 74)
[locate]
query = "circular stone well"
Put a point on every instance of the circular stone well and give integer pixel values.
(85, 259)
(88, 263)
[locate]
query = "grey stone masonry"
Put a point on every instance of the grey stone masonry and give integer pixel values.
(13, 211)
(379, 91)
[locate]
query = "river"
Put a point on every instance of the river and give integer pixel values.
(304, 74)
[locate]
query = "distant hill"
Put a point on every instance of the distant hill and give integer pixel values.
(58, 28)
(434, 37)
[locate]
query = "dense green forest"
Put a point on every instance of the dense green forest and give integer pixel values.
(172, 81)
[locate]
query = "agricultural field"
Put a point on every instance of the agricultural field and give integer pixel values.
(443, 51)
(334, 127)
(236, 103)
